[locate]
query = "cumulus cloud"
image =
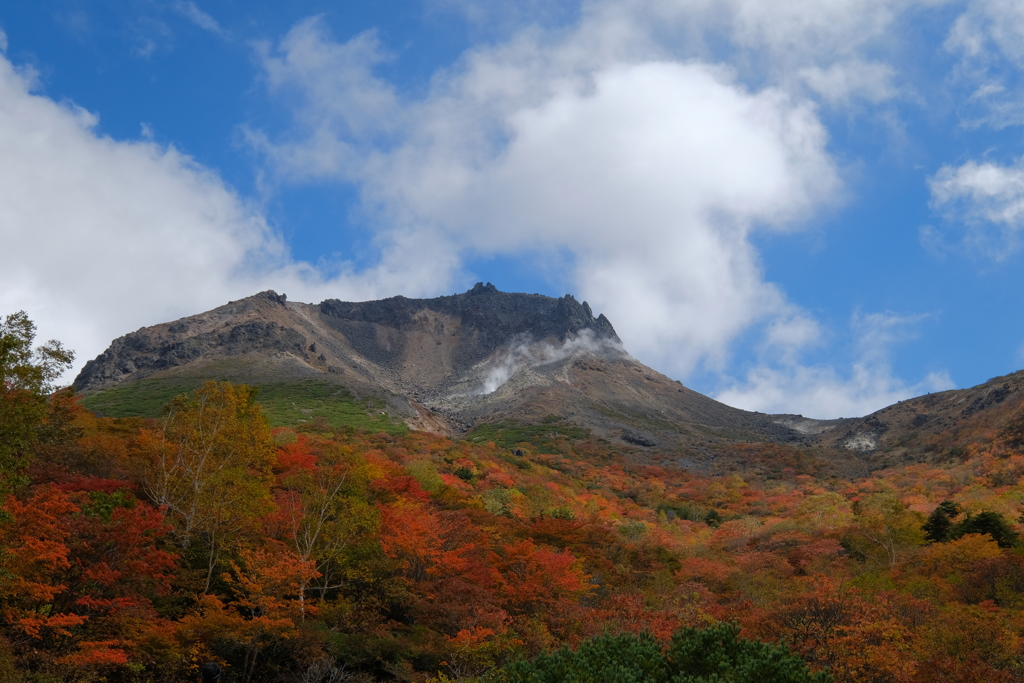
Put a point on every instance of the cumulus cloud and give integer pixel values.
(102, 236)
(651, 172)
(619, 139)
(987, 199)
(822, 391)
(95, 231)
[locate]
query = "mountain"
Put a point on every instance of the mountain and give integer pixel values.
(927, 428)
(548, 522)
(445, 364)
(453, 363)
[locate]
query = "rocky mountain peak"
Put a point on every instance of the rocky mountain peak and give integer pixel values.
(407, 344)
(492, 317)
(453, 362)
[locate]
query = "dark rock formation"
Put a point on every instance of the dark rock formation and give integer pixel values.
(144, 353)
(483, 311)
(479, 321)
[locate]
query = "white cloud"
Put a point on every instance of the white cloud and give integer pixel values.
(824, 392)
(786, 41)
(651, 172)
(932, 241)
(338, 102)
(102, 236)
(502, 18)
(95, 231)
(877, 332)
(617, 139)
(789, 336)
(1000, 22)
(620, 140)
(803, 29)
(987, 199)
(845, 81)
(191, 11)
(989, 39)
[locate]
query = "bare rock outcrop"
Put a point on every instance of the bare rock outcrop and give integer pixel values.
(445, 364)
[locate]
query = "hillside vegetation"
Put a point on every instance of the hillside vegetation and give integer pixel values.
(285, 404)
(135, 549)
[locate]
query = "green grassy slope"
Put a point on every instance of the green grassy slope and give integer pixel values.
(286, 404)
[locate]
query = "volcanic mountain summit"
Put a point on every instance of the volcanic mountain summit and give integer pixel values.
(444, 364)
(452, 363)
(465, 345)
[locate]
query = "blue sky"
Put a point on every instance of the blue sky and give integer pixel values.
(794, 206)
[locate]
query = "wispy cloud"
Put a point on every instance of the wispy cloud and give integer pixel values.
(844, 82)
(988, 39)
(191, 11)
(986, 200)
(826, 391)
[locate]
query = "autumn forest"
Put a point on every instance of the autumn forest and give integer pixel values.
(136, 549)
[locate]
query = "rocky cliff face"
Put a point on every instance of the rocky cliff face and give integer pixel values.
(418, 345)
(444, 364)
(435, 344)
(237, 329)
(491, 318)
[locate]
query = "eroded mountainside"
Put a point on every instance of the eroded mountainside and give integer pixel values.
(402, 344)
(452, 363)
(926, 428)
(443, 364)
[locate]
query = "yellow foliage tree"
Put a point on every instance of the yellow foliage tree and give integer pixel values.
(210, 466)
(884, 530)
